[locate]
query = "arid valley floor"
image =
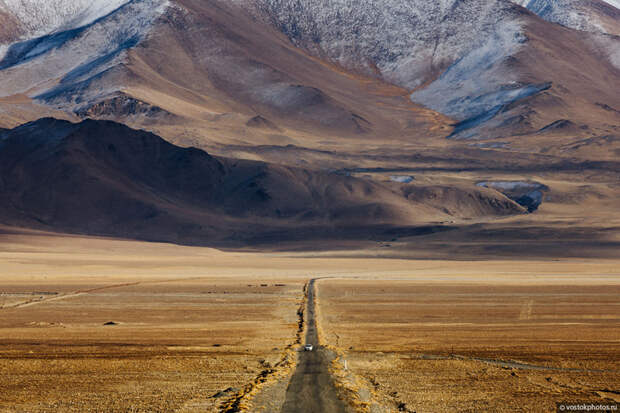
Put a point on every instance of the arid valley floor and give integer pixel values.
(92, 324)
(309, 206)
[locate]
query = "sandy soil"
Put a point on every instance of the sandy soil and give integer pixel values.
(192, 322)
(179, 337)
(506, 343)
(171, 345)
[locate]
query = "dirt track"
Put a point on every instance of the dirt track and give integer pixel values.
(311, 389)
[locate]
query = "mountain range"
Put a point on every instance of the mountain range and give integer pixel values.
(101, 177)
(328, 93)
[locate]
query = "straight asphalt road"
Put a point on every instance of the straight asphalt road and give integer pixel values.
(311, 389)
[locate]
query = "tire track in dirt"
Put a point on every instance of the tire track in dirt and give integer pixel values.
(78, 293)
(526, 366)
(511, 364)
(89, 291)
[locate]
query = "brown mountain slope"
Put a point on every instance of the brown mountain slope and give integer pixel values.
(258, 67)
(99, 177)
(204, 69)
(582, 92)
(231, 67)
(215, 75)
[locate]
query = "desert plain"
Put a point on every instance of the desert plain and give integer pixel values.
(309, 206)
(94, 324)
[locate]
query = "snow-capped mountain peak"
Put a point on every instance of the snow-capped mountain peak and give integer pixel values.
(71, 43)
(469, 60)
(41, 17)
(598, 16)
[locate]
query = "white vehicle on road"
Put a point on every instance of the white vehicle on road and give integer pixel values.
(308, 347)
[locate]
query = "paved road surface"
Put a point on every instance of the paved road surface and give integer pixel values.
(311, 389)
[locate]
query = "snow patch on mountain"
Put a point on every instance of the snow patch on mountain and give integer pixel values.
(479, 85)
(575, 14)
(67, 62)
(598, 17)
(410, 42)
(406, 41)
(41, 17)
(609, 46)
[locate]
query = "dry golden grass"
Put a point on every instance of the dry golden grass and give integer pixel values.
(177, 339)
(174, 304)
(174, 345)
(439, 345)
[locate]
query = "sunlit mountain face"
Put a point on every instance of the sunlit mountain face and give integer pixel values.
(370, 89)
